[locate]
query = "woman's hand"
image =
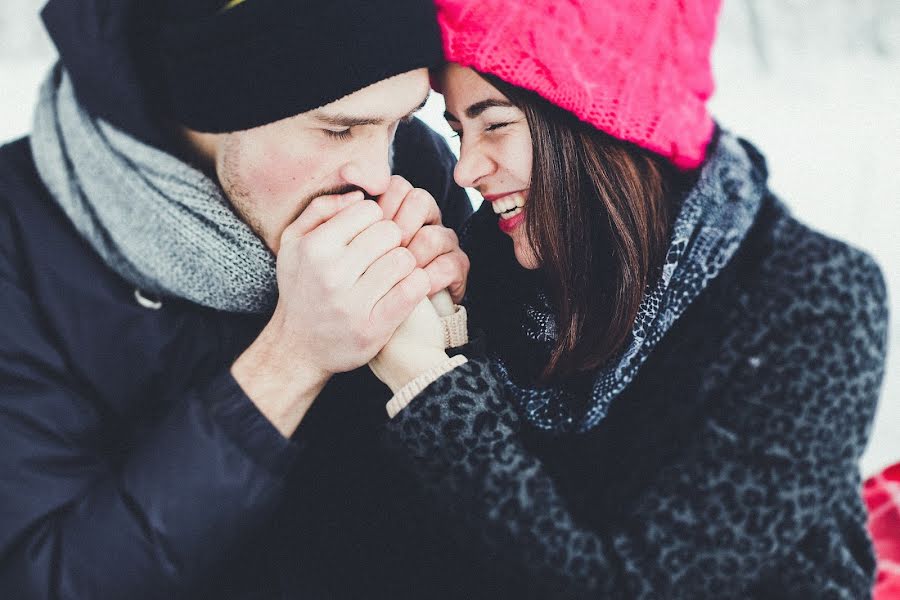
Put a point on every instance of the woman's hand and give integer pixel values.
(416, 346)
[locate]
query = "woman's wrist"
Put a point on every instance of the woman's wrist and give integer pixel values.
(408, 392)
(399, 370)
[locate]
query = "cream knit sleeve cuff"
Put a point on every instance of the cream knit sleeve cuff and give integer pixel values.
(409, 391)
(456, 332)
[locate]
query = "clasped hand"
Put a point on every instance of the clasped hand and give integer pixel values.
(354, 278)
(418, 342)
(351, 271)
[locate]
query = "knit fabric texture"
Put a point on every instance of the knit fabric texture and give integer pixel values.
(405, 395)
(161, 224)
(455, 329)
(881, 494)
(637, 70)
(260, 61)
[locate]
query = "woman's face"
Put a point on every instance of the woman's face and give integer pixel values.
(495, 153)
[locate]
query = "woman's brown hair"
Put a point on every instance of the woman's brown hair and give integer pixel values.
(598, 216)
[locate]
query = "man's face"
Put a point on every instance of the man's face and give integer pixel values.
(271, 173)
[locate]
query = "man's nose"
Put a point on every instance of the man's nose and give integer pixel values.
(370, 170)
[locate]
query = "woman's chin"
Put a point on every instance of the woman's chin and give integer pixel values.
(525, 254)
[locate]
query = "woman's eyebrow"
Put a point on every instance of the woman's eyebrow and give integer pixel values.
(479, 107)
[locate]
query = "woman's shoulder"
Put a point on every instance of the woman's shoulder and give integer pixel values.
(809, 339)
(805, 273)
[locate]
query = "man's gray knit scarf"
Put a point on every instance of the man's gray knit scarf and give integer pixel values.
(161, 224)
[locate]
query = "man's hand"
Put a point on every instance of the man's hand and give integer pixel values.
(435, 247)
(345, 284)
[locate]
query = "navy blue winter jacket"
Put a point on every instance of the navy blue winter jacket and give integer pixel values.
(133, 465)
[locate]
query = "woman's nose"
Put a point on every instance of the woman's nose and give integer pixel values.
(472, 166)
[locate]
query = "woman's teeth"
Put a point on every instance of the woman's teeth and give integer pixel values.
(509, 206)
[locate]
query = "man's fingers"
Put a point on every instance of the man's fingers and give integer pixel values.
(419, 208)
(383, 274)
(430, 242)
(449, 271)
(343, 227)
(400, 300)
(391, 200)
(370, 245)
(320, 210)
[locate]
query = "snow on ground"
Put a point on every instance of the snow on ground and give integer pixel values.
(820, 99)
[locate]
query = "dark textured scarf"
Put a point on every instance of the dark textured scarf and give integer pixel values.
(713, 220)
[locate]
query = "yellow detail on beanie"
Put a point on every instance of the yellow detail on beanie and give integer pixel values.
(231, 4)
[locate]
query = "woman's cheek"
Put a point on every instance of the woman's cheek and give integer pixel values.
(521, 156)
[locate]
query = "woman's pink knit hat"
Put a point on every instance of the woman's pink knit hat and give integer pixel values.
(637, 69)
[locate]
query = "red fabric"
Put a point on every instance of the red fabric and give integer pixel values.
(882, 496)
(636, 69)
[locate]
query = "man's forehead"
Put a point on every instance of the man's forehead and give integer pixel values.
(336, 116)
(383, 102)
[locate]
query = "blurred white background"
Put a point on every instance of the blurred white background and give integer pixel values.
(814, 83)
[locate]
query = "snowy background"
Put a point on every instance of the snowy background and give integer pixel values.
(814, 83)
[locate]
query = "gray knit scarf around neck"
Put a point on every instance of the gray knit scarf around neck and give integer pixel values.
(161, 224)
(712, 222)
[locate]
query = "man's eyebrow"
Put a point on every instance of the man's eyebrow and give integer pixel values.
(341, 120)
(479, 107)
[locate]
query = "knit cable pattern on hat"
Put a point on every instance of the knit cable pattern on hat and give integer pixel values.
(637, 70)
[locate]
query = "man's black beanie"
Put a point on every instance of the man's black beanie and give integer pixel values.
(257, 61)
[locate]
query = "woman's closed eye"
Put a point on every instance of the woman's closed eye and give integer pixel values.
(458, 133)
(496, 126)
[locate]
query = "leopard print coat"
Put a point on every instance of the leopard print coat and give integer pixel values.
(727, 468)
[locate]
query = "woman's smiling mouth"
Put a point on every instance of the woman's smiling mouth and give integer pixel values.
(507, 206)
